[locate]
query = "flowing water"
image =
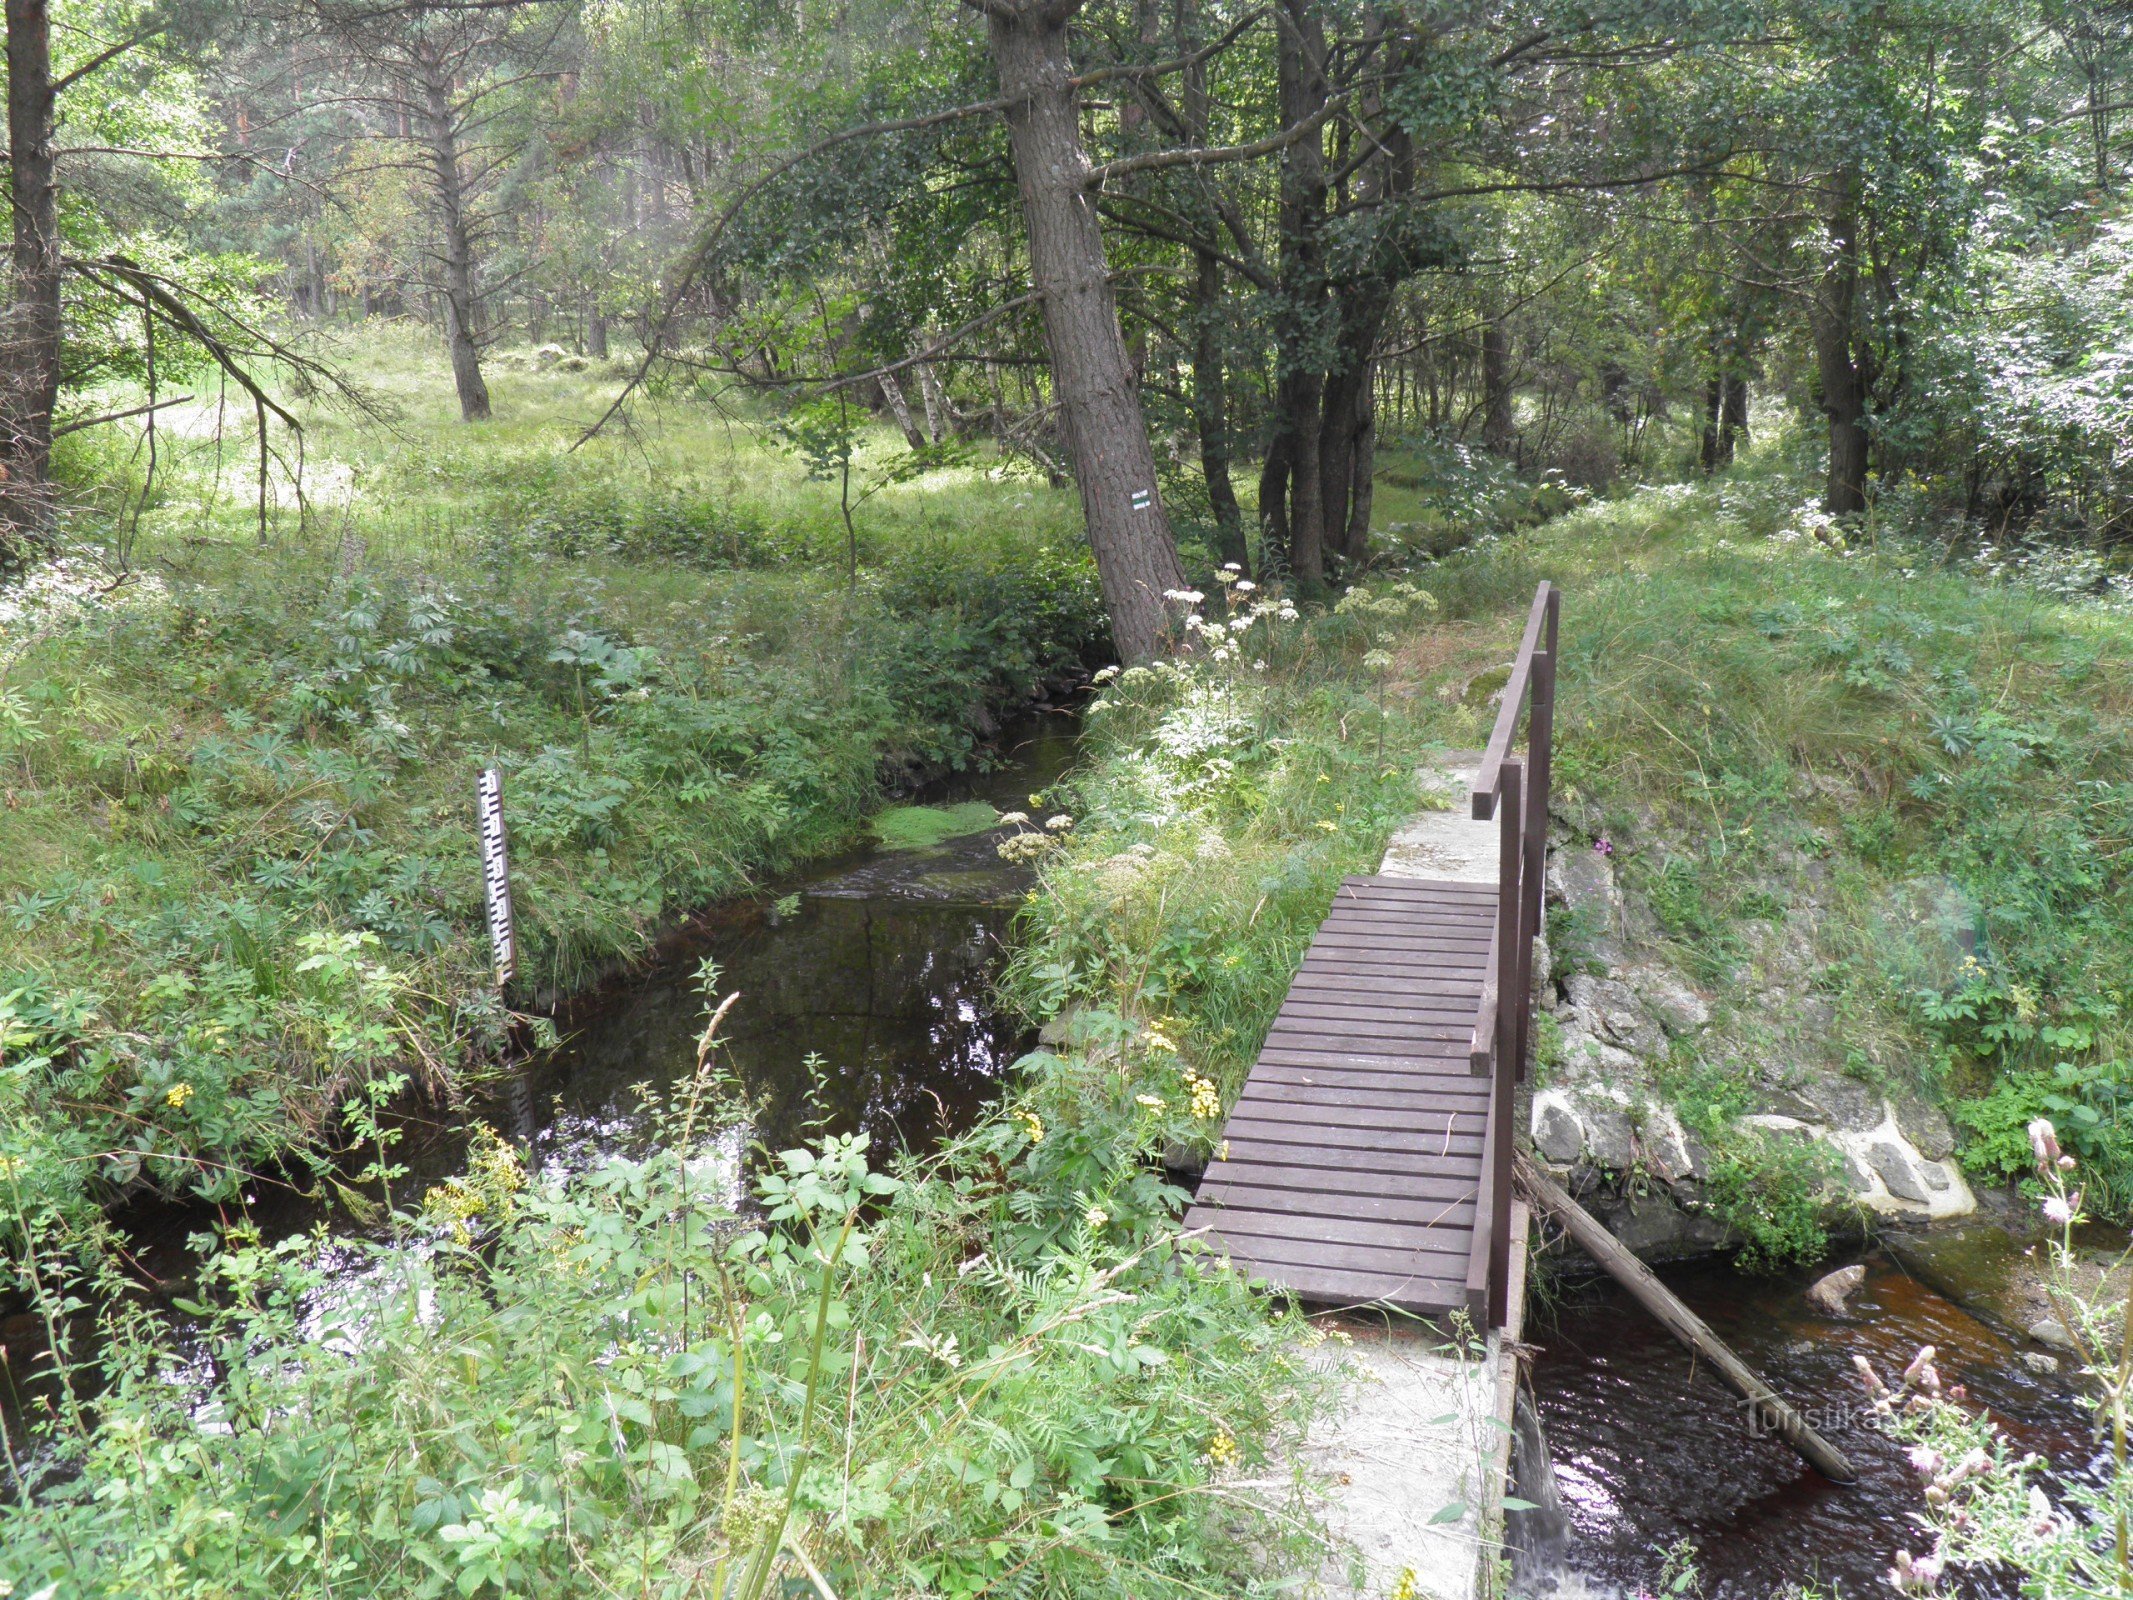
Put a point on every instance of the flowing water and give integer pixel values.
(1647, 1451)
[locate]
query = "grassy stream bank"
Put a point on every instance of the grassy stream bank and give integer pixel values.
(996, 1371)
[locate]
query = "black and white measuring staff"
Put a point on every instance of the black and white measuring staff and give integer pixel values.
(496, 875)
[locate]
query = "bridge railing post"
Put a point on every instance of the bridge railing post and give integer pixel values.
(1513, 979)
(1540, 743)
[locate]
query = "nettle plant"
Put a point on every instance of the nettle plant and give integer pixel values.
(1986, 1501)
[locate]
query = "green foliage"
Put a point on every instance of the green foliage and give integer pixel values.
(2088, 1104)
(1915, 777)
(1770, 1191)
(997, 1368)
(237, 864)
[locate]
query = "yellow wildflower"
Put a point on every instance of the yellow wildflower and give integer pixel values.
(1206, 1102)
(176, 1096)
(1096, 1216)
(1032, 1126)
(1405, 1588)
(1154, 1102)
(1221, 1449)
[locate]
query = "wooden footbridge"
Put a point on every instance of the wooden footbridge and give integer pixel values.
(1368, 1159)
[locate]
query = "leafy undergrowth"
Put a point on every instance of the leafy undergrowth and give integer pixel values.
(999, 1371)
(920, 1384)
(1747, 697)
(238, 873)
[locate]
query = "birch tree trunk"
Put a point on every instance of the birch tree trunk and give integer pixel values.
(1833, 315)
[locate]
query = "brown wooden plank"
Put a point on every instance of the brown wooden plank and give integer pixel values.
(1444, 1062)
(1407, 891)
(1332, 980)
(1411, 924)
(1401, 1242)
(1407, 1145)
(1424, 981)
(1393, 1261)
(1393, 1189)
(1453, 1211)
(1452, 1094)
(1312, 1040)
(1386, 962)
(1451, 950)
(1422, 1011)
(1360, 1167)
(1419, 923)
(1329, 1286)
(1342, 1101)
(1329, 1036)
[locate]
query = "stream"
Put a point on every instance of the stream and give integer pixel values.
(1647, 1453)
(866, 1005)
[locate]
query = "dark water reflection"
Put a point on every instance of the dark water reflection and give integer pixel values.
(1648, 1451)
(864, 1002)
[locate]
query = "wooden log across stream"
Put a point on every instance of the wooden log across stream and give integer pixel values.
(1645, 1288)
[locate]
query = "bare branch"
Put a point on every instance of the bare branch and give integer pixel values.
(1210, 155)
(60, 428)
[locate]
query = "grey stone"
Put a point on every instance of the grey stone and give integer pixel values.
(1785, 1103)
(1815, 1017)
(1586, 881)
(1926, 1126)
(1828, 1294)
(1679, 1008)
(1658, 1230)
(1557, 1133)
(1898, 1173)
(2051, 1331)
(2040, 1363)
(1856, 1177)
(1607, 1136)
(1697, 1153)
(1935, 1175)
(1845, 1104)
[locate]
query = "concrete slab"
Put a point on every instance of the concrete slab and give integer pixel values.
(1447, 843)
(1412, 1441)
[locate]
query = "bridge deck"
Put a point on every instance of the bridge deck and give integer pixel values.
(1351, 1166)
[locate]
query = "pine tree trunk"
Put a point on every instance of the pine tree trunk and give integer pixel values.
(1733, 415)
(1300, 315)
(29, 331)
(458, 251)
(1714, 410)
(1210, 378)
(596, 333)
(1100, 409)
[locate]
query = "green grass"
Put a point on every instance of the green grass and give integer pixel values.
(1741, 700)
(237, 865)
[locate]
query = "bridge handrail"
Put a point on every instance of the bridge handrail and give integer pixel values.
(1514, 791)
(1540, 621)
